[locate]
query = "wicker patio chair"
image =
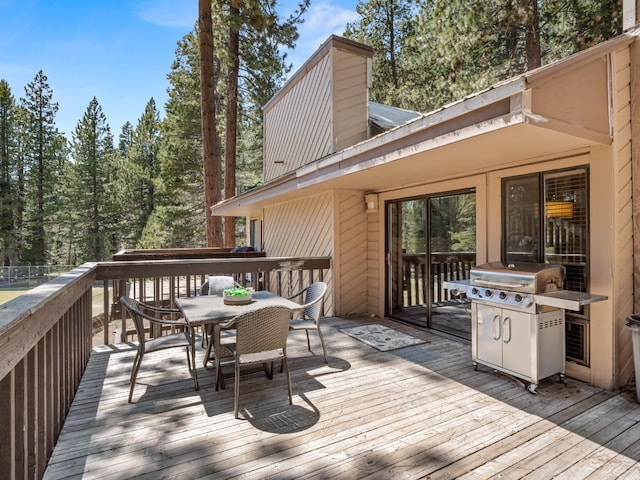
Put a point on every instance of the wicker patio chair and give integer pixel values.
(182, 336)
(308, 317)
(261, 338)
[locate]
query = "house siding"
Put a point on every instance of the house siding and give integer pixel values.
(623, 210)
(322, 110)
(302, 228)
(350, 259)
(299, 127)
(375, 263)
(350, 99)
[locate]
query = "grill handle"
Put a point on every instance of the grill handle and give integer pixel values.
(507, 328)
(508, 286)
(497, 331)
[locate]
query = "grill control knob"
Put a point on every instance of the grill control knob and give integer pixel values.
(518, 297)
(503, 295)
(474, 291)
(487, 293)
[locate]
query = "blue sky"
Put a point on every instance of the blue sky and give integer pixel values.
(119, 51)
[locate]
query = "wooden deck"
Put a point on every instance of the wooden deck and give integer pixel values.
(414, 412)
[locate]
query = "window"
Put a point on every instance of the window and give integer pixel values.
(545, 221)
(255, 234)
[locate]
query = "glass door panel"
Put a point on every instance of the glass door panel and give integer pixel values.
(430, 240)
(407, 260)
(452, 250)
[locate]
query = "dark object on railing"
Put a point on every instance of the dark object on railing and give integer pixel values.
(183, 253)
(243, 249)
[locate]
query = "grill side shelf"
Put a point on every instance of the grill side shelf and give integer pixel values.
(568, 299)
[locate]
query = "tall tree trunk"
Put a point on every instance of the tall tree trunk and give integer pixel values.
(211, 167)
(232, 122)
(532, 26)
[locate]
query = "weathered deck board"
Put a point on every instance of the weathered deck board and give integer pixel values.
(410, 413)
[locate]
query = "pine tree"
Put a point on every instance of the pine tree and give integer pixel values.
(135, 176)
(178, 220)
(8, 187)
(386, 26)
(252, 27)
(93, 153)
(44, 158)
(463, 50)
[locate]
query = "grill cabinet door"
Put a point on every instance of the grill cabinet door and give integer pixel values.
(518, 333)
(489, 331)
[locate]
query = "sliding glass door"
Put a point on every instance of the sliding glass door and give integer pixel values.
(430, 240)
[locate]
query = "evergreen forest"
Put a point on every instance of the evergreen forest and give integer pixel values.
(68, 199)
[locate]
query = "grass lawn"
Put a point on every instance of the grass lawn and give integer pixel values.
(8, 294)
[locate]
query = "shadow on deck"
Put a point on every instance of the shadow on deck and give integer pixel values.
(412, 412)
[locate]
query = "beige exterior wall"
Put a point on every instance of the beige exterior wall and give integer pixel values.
(321, 110)
(350, 258)
(350, 99)
(330, 224)
(560, 98)
(302, 228)
(623, 211)
(304, 112)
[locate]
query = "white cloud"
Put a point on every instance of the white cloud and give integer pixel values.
(168, 13)
(321, 21)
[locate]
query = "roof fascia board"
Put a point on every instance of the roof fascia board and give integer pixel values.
(568, 128)
(393, 154)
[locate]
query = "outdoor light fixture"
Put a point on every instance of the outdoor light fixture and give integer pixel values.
(372, 203)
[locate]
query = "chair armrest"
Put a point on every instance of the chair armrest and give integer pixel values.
(297, 294)
(144, 308)
(153, 308)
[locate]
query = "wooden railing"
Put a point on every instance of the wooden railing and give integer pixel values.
(46, 337)
(445, 266)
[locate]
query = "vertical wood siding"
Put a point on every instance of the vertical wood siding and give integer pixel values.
(375, 258)
(350, 99)
(305, 227)
(350, 259)
(623, 234)
(298, 128)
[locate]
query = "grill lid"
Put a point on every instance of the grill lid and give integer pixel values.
(519, 277)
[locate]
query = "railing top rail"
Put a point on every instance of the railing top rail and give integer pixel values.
(182, 253)
(149, 268)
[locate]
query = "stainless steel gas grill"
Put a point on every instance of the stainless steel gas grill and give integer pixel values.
(517, 318)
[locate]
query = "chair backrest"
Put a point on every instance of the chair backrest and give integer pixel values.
(262, 330)
(219, 283)
(313, 300)
(137, 316)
